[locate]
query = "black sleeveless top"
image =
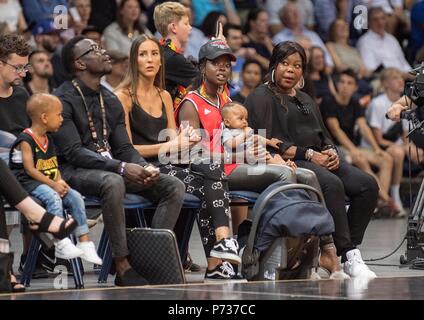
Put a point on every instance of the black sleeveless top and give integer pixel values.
(44, 158)
(145, 128)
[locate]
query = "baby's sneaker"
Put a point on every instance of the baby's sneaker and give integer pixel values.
(65, 249)
(89, 252)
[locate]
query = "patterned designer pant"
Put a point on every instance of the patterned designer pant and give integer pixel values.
(208, 182)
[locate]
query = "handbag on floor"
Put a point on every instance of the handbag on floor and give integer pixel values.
(154, 255)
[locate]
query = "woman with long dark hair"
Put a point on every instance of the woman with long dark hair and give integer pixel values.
(150, 115)
(201, 108)
(293, 117)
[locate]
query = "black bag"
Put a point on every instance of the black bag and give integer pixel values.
(154, 255)
(5, 267)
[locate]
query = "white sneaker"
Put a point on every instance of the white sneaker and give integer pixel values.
(89, 252)
(356, 267)
(65, 249)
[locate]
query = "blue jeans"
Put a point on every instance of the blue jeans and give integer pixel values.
(54, 204)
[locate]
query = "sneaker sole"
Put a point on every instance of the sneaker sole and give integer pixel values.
(231, 258)
(68, 257)
(207, 280)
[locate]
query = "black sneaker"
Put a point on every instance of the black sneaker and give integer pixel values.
(39, 272)
(48, 261)
(226, 249)
(64, 263)
(190, 266)
(223, 271)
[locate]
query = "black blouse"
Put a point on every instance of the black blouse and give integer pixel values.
(145, 128)
(294, 120)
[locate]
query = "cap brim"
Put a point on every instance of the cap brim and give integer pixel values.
(218, 54)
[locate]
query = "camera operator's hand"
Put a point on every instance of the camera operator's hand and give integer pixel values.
(396, 109)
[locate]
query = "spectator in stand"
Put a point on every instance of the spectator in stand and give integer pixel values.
(79, 18)
(102, 162)
(251, 76)
(396, 18)
(172, 22)
(14, 52)
(41, 221)
(120, 34)
(380, 49)
(196, 38)
(47, 39)
(293, 26)
(327, 11)
(256, 35)
(273, 7)
(293, 117)
(201, 8)
(342, 114)
(103, 13)
(417, 29)
(233, 35)
(148, 111)
(11, 13)
(391, 135)
(36, 10)
(344, 55)
(209, 24)
(41, 73)
(318, 74)
(93, 33)
(119, 69)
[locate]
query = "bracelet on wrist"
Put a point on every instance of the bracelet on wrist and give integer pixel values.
(122, 168)
(309, 154)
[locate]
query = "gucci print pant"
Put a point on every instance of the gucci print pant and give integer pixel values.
(208, 182)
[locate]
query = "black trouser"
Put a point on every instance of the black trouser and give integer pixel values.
(12, 191)
(207, 182)
(362, 190)
(167, 193)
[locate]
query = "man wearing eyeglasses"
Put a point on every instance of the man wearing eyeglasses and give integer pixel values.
(14, 53)
(98, 158)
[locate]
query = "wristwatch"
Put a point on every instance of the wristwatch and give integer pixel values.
(309, 154)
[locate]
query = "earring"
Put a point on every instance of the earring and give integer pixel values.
(301, 83)
(273, 76)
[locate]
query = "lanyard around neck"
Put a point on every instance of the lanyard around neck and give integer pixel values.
(91, 126)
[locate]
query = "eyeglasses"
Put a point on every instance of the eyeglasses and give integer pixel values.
(18, 69)
(300, 106)
(94, 48)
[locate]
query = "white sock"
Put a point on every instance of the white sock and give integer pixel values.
(394, 192)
